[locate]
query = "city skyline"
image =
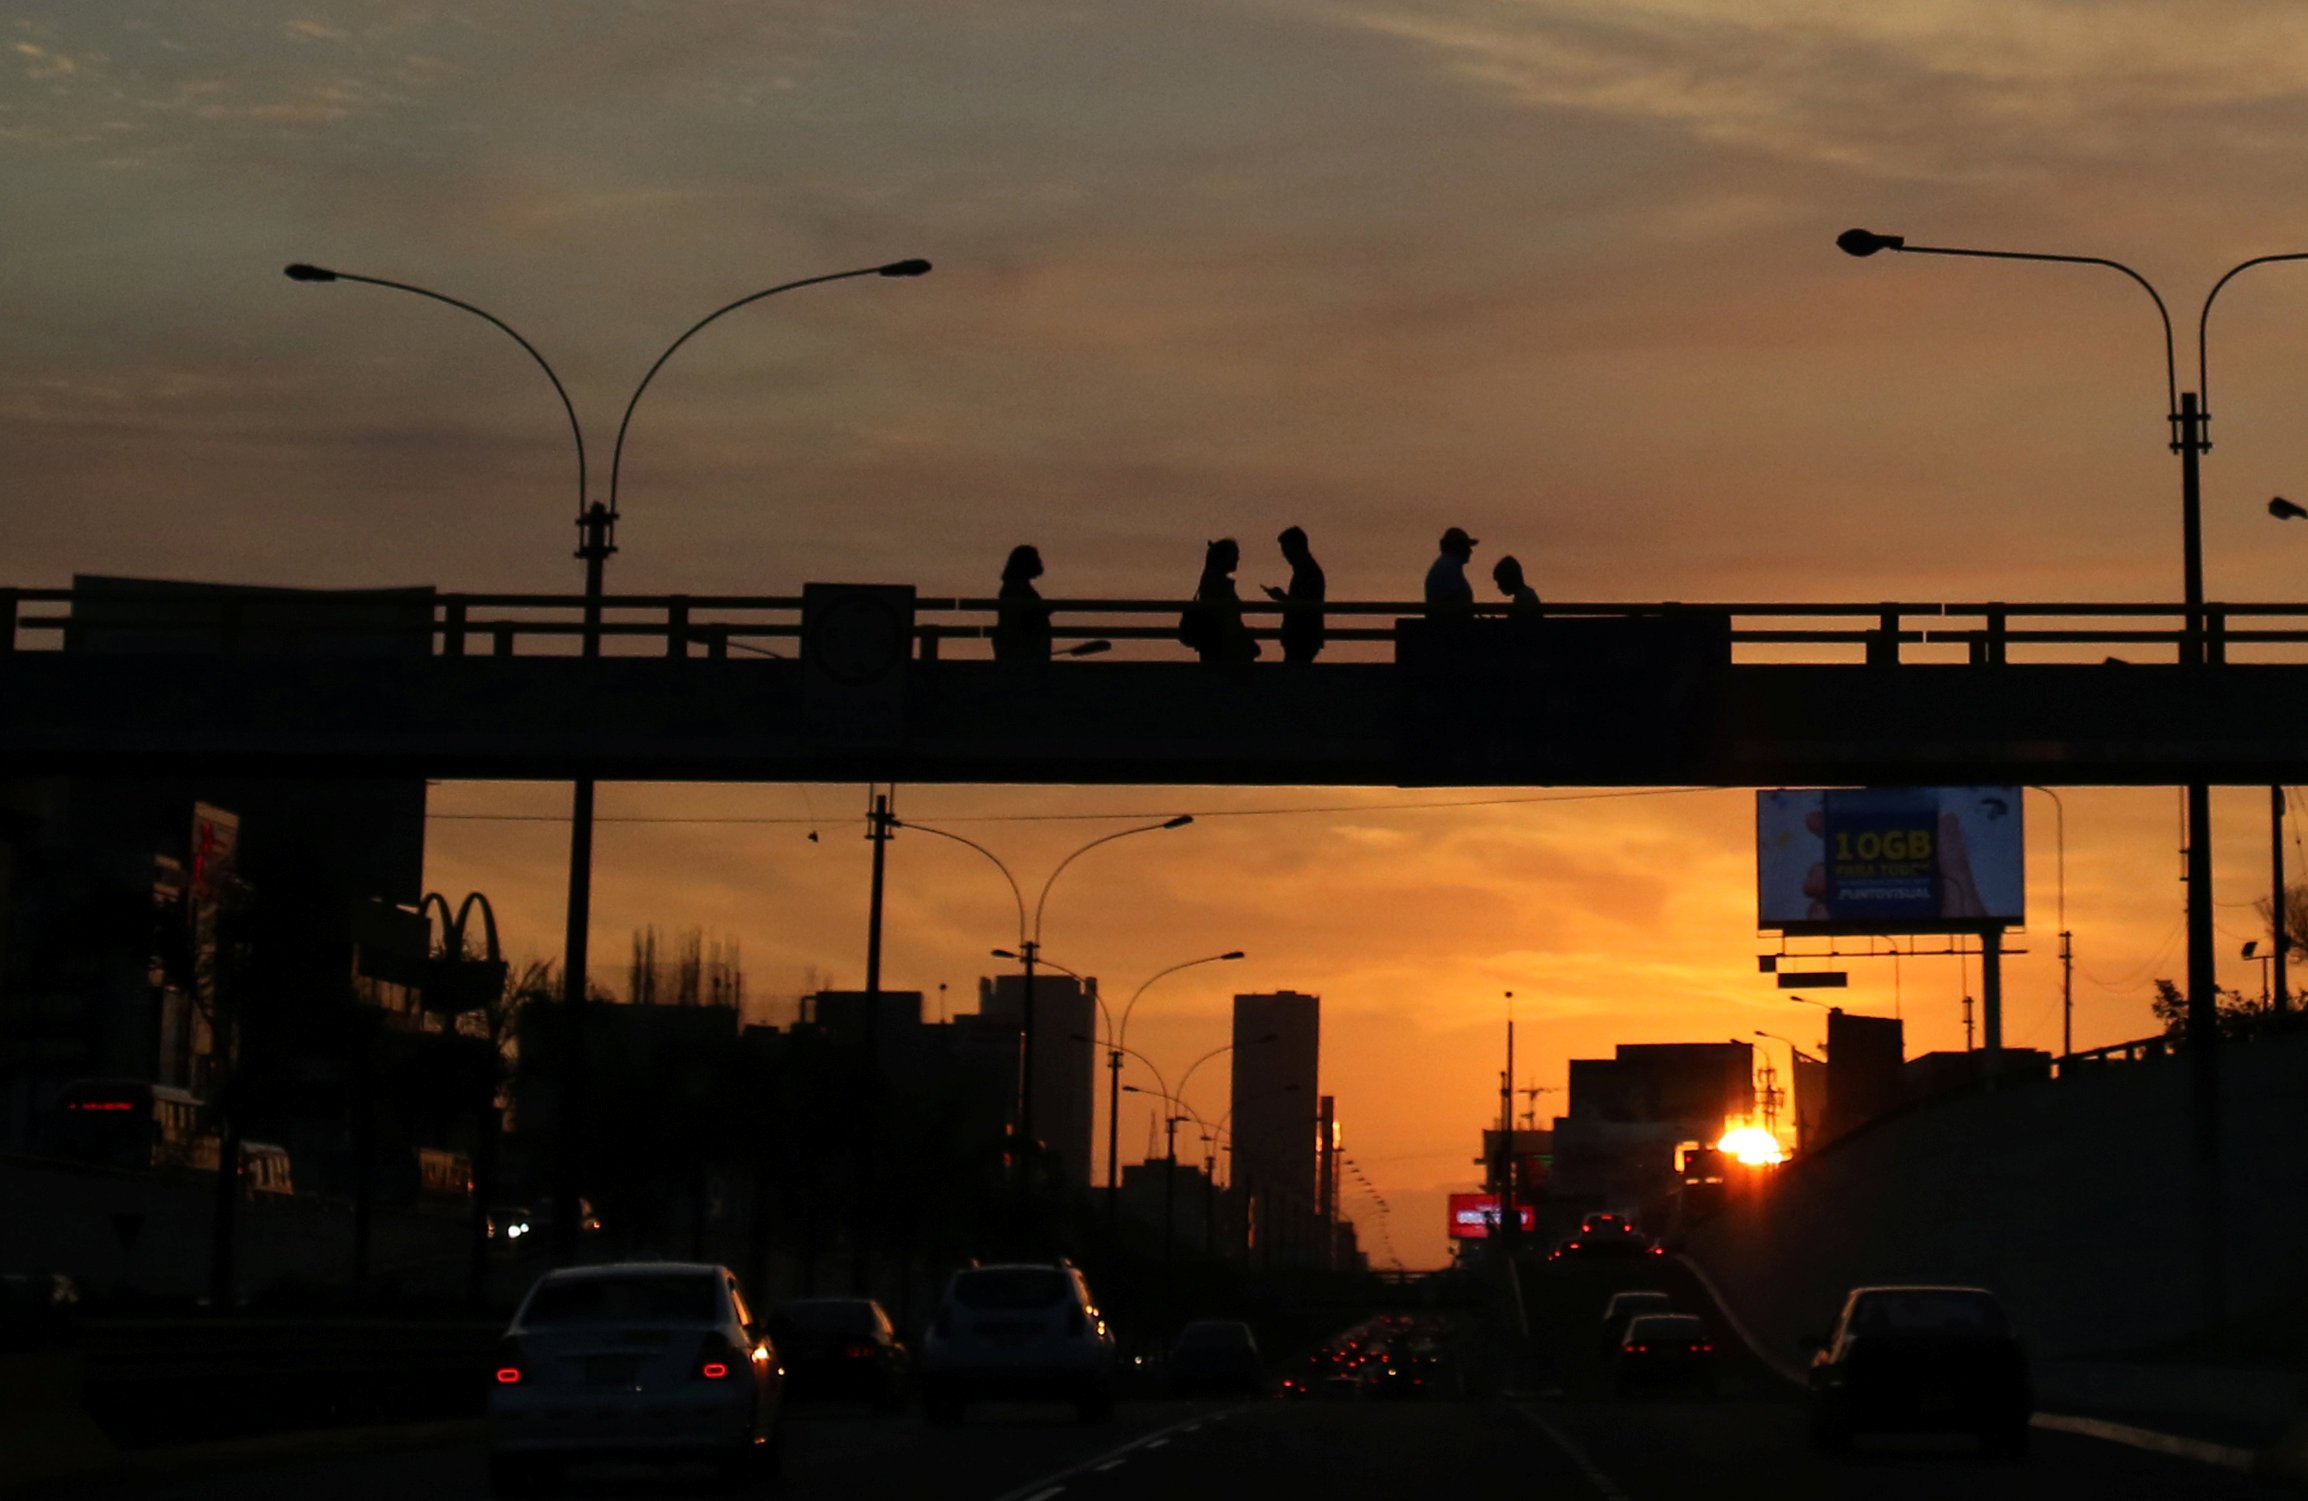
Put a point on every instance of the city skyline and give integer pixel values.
(1560, 275)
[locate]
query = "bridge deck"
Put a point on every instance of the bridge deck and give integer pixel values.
(1594, 695)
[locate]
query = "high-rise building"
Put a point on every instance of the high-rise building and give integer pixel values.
(1064, 1086)
(1277, 1059)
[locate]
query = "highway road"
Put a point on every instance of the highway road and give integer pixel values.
(1571, 1445)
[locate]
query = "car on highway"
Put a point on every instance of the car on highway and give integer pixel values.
(1627, 1306)
(656, 1362)
(841, 1349)
(1216, 1355)
(1017, 1331)
(1607, 1245)
(1921, 1359)
(1664, 1351)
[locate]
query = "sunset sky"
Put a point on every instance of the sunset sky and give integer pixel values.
(1560, 272)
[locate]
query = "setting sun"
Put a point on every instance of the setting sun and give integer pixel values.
(1751, 1145)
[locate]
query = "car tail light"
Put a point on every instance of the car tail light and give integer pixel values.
(1703, 1349)
(511, 1369)
(860, 1350)
(717, 1358)
(1658, 1250)
(1638, 1349)
(508, 1375)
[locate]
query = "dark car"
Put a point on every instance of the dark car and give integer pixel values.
(1625, 1307)
(1216, 1355)
(1664, 1351)
(1622, 1243)
(1922, 1360)
(842, 1349)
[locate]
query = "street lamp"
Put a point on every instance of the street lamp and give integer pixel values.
(2190, 439)
(1800, 1055)
(1116, 1036)
(597, 539)
(1029, 948)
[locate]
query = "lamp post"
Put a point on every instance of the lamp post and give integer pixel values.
(597, 540)
(1028, 952)
(2190, 424)
(1116, 1036)
(1170, 1122)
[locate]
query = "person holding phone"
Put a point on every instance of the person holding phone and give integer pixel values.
(1302, 624)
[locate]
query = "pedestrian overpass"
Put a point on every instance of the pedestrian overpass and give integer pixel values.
(866, 683)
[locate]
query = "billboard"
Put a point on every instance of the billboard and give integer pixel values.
(1889, 860)
(1475, 1216)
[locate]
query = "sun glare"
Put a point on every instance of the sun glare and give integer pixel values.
(1751, 1145)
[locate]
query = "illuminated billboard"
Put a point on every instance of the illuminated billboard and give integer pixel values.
(1889, 860)
(1475, 1216)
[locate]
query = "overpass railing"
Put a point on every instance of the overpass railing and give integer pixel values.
(405, 621)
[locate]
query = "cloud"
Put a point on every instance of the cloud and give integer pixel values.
(1944, 90)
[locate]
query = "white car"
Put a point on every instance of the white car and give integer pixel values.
(1017, 1331)
(655, 1362)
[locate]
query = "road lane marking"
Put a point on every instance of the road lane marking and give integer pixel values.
(1050, 1485)
(1604, 1485)
(2200, 1450)
(1111, 1464)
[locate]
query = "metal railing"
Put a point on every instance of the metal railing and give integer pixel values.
(115, 619)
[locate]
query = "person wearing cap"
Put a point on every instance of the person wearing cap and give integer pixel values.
(1446, 581)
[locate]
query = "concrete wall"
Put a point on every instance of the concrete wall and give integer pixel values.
(2078, 1200)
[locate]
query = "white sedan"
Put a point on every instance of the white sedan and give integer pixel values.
(656, 1362)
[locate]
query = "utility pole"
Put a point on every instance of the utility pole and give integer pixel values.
(1991, 1001)
(2277, 917)
(879, 823)
(2067, 994)
(1028, 951)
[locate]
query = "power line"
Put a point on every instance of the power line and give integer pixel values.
(1167, 812)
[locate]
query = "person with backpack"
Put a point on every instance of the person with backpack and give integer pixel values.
(1212, 624)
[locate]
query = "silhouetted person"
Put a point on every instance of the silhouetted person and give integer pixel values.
(1302, 602)
(1022, 621)
(1522, 599)
(1446, 580)
(1213, 623)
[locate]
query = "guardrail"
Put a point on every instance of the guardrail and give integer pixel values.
(413, 622)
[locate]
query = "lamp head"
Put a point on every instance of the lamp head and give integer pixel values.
(1004, 954)
(299, 271)
(1237, 954)
(1180, 822)
(1865, 242)
(906, 268)
(2284, 510)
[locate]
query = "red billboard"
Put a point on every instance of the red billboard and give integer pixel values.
(1475, 1216)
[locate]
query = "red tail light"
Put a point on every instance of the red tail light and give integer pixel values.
(862, 1350)
(716, 1358)
(510, 1368)
(508, 1375)
(1638, 1349)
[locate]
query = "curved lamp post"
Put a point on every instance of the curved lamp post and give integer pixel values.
(2190, 439)
(1116, 1037)
(1028, 952)
(597, 539)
